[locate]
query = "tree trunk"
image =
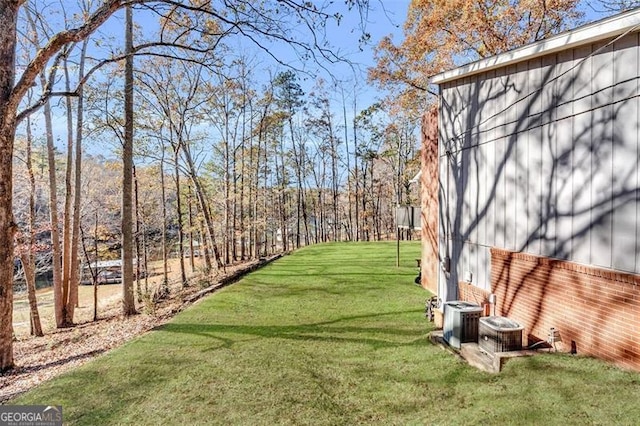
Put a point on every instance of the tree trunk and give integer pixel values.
(136, 204)
(208, 223)
(128, 299)
(93, 271)
(67, 308)
(265, 201)
(53, 214)
(242, 176)
(165, 254)
(8, 17)
(303, 199)
(203, 204)
(365, 219)
(94, 275)
(205, 250)
(145, 259)
(227, 190)
(176, 158)
(255, 203)
(335, 189)
(355, 174)
(256, 238)
(190, 211)
(75, 237)
(234, 212)
(27, 258)
(283, 196)
(300, 204)
(348, 164)
(7, 227)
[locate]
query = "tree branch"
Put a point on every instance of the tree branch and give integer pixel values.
(57, 42)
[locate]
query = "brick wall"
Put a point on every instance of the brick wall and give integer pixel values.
(596, 311)
(429, 188)
(471, 293)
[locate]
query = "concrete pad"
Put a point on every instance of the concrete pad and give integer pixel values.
(477, 357)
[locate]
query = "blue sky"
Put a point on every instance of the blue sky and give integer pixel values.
(385, 17)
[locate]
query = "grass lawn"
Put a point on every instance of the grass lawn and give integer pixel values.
(332, 334)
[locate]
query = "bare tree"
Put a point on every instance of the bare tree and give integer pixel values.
(262, 23)
(128, 300)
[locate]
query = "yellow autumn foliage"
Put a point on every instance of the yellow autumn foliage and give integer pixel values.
(443, 34)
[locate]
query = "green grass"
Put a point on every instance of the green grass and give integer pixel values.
(332, 334)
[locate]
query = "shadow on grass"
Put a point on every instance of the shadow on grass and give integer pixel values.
(26, 371)
(35, 368)
(335, 275)
(325, 331)
(329, 289)
(125, 386)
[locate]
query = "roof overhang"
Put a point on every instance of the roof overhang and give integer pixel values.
(586, 34)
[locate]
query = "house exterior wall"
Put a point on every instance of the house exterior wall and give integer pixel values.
(597, 311)
(542, 157)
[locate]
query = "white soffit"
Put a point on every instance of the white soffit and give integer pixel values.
(586, 34)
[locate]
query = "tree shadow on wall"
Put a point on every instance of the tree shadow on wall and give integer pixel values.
(542, 158)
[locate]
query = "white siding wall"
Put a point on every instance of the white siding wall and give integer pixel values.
(544, 159)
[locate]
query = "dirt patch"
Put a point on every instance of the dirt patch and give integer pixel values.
(42, 358)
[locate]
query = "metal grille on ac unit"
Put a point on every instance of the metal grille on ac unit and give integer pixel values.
(460, 322)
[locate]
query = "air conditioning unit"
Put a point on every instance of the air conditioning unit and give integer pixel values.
(460, 323)
(499, 334)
